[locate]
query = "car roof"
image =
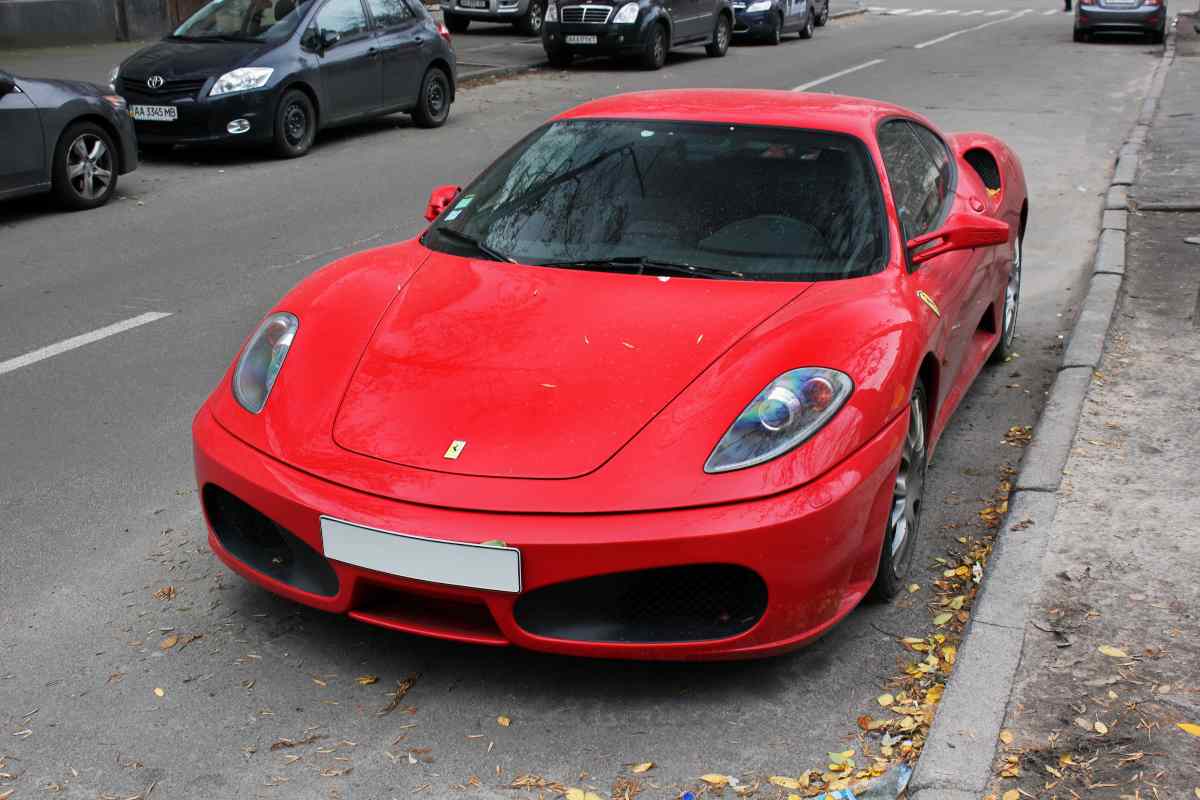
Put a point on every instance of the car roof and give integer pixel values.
(830, 112)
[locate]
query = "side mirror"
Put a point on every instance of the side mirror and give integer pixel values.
(7, 83)
(329, 39)
(440, 199)
(961, 232)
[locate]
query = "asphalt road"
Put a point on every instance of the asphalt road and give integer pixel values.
(98, 509)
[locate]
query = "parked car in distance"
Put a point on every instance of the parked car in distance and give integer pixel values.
(66, 137)
(646, 29)
(1147, 17)
(278, 71)
(769, 20)
(526, 15)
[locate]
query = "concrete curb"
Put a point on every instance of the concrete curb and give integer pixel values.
(959, 754)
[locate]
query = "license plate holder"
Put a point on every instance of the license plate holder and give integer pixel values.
(581, 39)
(473, 566)
(154, 113)
(477, 4)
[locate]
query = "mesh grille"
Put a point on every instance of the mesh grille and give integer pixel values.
(169, 89)
(595, 15)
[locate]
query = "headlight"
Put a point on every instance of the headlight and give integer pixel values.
(241, 80)
(262, 359)
(551, 13)
(792, 408)
(112, 76)
(627, 13)
(759, 5)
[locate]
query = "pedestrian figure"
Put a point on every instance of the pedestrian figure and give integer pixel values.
(1066, 5)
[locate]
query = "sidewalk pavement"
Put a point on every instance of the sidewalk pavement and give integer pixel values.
(487, 50)
(1110, 667)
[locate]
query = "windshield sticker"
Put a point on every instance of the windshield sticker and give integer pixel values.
(453, 215)
(466, 201)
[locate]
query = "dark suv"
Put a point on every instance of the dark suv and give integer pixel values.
(646, 29)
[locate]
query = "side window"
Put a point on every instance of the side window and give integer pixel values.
(937, 150)
(389, 13)
(914, 177)
(344, 17)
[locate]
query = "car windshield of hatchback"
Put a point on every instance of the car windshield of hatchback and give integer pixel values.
(244, 20)
(675, 198)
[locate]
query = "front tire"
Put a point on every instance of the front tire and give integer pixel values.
(720, 38)
(535, 15)
(1156, 37)
(1012, 304)
(559, 59)
(85, 167)
(433, 104)
(904, 514)
(655, 54)
(775, 35)
(1080, 36)
(823, 17)
(295, 124)
(456, 23)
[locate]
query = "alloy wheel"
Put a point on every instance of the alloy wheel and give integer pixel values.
(89, 166)
(908, 492)
(1012, 297)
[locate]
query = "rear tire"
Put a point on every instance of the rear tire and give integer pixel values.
(904, 513)
(531, 23)
(85, 167)
(807, 31)
(433, 104)
(295, 124)
(1080, 36)
(655, 54)
(720, 38)
(456, 23)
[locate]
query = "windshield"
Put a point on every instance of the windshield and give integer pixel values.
(736, 201)
(252, 20)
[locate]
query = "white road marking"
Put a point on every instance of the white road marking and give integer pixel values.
(806, 86)
(1051, 11)
(923, 11)
(997, 12)
(940, 39)
(947, 12)
(52, 350)
(973, 13)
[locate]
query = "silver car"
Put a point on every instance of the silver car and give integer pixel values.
(527, 15)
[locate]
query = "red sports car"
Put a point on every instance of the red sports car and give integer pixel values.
(661, 383)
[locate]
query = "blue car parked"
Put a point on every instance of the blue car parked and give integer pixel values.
(769, 20)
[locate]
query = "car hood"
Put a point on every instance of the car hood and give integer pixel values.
(542, 372)
(174, 59)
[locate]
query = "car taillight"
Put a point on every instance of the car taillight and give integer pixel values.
(444, 32)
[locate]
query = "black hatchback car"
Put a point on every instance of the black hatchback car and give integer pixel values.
(277, 71)
(646, 29)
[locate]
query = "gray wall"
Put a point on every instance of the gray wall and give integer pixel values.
(26, 23)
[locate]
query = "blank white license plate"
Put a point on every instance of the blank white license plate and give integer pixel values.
(473, 4)
(474, 566)
(581, 40)
(154, 113)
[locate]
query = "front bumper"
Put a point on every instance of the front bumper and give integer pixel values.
(758, 23)
(203, 119)
(1140, 19)
(816, 550)
(611, 38)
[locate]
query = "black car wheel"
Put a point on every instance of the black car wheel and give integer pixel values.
(904, 515)
(559, 59)
(85, 167)
(456, 23)
(720, 38)
(823, 17)
(531, 23)
(775, 35)
(1081, 36)
(295, 124)
(433, 106)
(806, 32)
(655, 54)
(1156, 37)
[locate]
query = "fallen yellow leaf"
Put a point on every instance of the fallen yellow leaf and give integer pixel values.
(366, 680)
(645, 766)
(842, 756)
(1189, 727)
(1011, 794)
(580, 794)
(943, 618)
(713, 779)
(787, 783)
(168, 643)
(159, 692)
(913, 588)
(886, 700)
(1101, 728)
(1006, 736)
(503, 721)
(1113, 652)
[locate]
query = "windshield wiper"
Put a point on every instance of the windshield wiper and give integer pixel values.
(642, 265)
(491, 253)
